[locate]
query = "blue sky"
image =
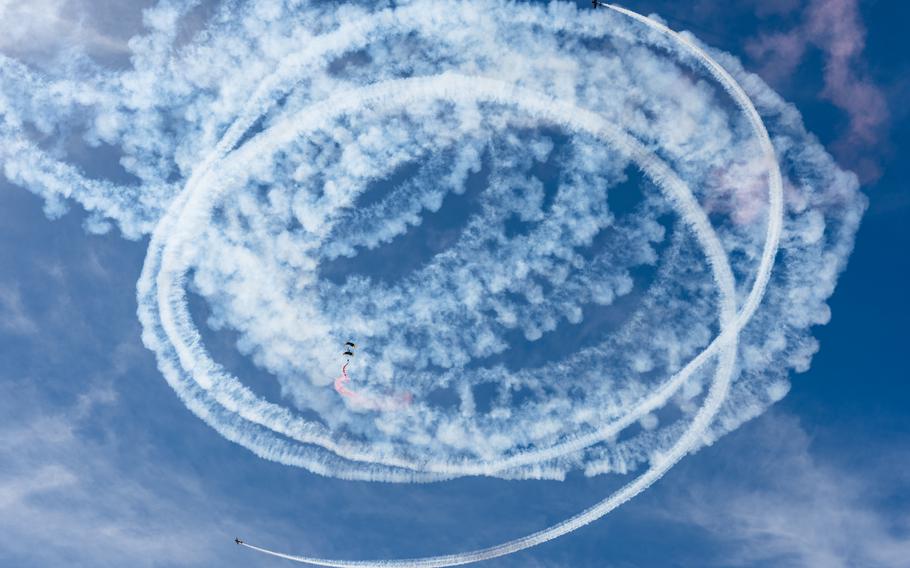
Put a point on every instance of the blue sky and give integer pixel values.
(102, 465)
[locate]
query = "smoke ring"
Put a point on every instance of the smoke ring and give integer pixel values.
(717, 393)
(226, 390)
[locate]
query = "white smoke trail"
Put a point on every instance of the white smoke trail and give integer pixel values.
(277, 142)
(175, 319)
(727, 339)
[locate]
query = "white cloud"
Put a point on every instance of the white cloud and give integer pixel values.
(45, 26)
(14, 318)
(65, 501)
(777, 500)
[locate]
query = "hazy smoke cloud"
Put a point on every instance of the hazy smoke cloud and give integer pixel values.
(255, 151)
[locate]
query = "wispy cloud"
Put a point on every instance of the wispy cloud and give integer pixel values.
(14, 317)
(65, 501)
(773, 498)
(45, 26)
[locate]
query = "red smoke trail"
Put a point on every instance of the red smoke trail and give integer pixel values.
(382, 404)
(341, 381)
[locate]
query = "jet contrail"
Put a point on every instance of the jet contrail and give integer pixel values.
(316, 137)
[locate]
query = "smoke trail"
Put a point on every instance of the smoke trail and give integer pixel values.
(315, 138)
(727, 338)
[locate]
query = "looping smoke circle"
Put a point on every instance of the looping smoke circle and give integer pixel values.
(465, 318)
(562, 240)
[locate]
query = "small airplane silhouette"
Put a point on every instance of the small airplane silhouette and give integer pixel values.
(238, 541)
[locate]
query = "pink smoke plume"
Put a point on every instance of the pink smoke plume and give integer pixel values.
(382, 404)
(836, 28)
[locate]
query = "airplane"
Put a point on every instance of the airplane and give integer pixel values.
(238, 541)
